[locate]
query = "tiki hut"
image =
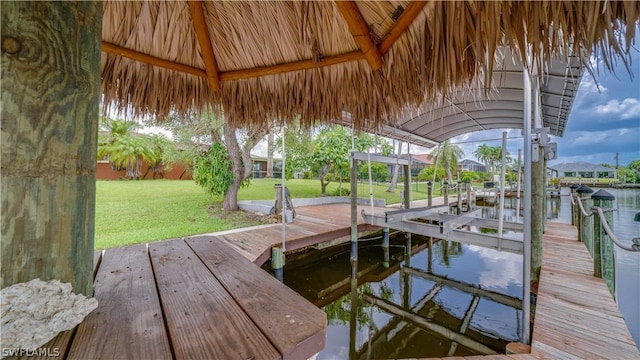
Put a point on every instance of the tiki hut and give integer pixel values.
(381, 61)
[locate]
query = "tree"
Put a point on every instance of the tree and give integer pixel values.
(330, 157)
(124, 149)
(448, 154)
(205, 136)
(270, 150)
(379, 171)
(491, 156)
(396, 171)
(161, 147)
(426, 174)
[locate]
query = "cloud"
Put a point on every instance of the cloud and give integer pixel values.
(626, 109)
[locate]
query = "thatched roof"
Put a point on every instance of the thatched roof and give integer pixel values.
(264, 60)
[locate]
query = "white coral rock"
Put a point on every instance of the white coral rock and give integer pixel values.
(35, 312)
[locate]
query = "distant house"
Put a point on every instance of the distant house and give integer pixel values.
(418, 162)
(259, 166)
(581, 170)
(471, 165)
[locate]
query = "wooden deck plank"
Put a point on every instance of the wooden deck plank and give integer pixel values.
(576, 316)
(128, 322)
(268, 302)
(204, 320)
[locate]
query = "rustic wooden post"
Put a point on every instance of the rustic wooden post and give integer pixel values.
(574, 207)
(407, 186)
(429, 193)
(277, 262)
(445, 192)
(586, 222)
(459, 200)
(468, 187)
(538, 206)
(354, 215)
(50, 106)
(385, 247)
(603, 257)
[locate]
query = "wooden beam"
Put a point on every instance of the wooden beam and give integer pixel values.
(151, 60)
(468, 288)
(202, 33)
(360, 31)
(291, 66)
(410, 13)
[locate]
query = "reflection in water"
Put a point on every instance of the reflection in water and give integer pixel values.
(439, 301)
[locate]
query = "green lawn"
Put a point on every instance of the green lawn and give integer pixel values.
(131, 212)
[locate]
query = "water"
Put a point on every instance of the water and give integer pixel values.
(627, 203)
(358, 329)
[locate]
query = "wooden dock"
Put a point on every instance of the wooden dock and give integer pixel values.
(576, 317)
(312, 225)
(197, 298)
(191, 299)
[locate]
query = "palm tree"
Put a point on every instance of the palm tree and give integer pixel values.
(124, 149)
(491, 156)
(448, 154)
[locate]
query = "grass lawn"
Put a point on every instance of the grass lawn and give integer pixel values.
(131, 212)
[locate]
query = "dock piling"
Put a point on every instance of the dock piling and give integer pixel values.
(277, 262)
(385, 247)
(445, 192)
(429, 193)
(603, 253)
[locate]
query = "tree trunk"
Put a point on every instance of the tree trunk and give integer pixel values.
(396, 171)
(448, 169)
(240, 162)
(230, 200)
(323, 183)
(50, 104)
(270, 151)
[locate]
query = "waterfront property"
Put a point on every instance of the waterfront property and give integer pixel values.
(415, 71)
(582, 170)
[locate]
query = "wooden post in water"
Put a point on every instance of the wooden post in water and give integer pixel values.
(385, 247)
(277, 262)
(468, 187)
(586, 222)
(407, 185)
(429, 193)
(50, 105)
(445, 193)
(538, 206)
(354, 216)
(603, 257)
(459, 204)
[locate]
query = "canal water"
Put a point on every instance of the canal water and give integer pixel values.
(407, 303)
(448, 300)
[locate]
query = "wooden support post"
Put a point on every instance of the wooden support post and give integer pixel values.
(538, 204)
(574, 206)
(50, 106)
(468, 188)
(459, 198)
(354, 216)
(585, 230)
(445, 193)
(407, 186)
(430, 256)
(277, 262)
(603, 259)
(385, 247)
(429, 193)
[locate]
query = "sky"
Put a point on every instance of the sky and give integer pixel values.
(604, 120)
